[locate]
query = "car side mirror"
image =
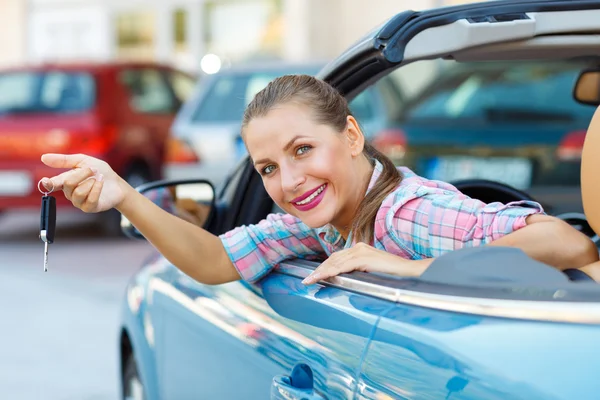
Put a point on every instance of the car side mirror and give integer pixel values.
(587, 87)
(192, 200)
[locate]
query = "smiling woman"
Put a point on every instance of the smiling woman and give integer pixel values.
(479, 322)
(343, 200)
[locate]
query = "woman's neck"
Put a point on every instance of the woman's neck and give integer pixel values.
(365, 171)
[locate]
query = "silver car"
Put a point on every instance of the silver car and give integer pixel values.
(209, 122)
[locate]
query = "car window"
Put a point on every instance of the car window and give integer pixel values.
(148, 91)
(362, 106)
(230, 185)
(392, 95)
(182, 84)
(46, 92)
(228, 95)
(478, 90)
(512, 122)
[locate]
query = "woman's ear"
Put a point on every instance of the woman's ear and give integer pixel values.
(354, 135)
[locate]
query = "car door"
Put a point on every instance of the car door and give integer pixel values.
(498, 349)
(241, 340)
(149, 111)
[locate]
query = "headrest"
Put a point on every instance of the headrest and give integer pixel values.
(590, 173)
(587, 87)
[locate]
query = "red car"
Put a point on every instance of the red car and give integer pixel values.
(119, 112)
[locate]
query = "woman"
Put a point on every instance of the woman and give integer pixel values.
(343, 199)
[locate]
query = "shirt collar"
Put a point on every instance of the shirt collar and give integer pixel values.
(331, 235)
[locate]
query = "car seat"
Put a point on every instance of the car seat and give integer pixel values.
(590, 182)
(590, 170)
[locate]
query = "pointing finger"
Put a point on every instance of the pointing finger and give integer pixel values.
(62, 160)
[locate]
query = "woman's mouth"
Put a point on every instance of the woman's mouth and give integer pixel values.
(312, 200)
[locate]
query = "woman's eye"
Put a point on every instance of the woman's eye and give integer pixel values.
(303, 149)
(268, 169)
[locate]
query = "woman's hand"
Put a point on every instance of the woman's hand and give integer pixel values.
(91, 185)
(365, 258)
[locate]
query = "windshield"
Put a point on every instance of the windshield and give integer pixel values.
(229, 95)
(46, 92)
(502, 91)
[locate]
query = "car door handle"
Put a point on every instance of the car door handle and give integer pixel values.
(297, 386)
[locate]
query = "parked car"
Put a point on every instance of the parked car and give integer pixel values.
(480, 323)
(119, 112)
(512, 122)
(209, 123)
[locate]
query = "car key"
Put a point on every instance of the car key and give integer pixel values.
(47, 222)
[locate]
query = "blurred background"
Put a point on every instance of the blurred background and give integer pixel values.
(183, 33)
(157, 88)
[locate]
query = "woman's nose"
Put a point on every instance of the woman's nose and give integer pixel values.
(291, 180)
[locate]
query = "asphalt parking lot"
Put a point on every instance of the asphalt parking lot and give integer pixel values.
(59, 336)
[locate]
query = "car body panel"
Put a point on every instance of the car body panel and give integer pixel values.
(418, 353)
(212, 336)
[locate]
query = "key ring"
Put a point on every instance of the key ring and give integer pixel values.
(43, 192)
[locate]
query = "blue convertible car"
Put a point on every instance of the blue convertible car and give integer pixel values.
(481, 323)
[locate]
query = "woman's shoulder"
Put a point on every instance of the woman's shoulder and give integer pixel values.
(413, 184)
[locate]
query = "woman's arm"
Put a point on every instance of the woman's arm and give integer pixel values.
(195, 251)
(544, 238)
(92, 186)
(551, 241)
(248, 252)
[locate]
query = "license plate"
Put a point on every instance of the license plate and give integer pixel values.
(15, 183)
(515, 172)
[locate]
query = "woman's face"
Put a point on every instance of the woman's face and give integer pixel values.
(310, 170)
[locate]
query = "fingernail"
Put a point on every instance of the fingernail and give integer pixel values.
(45, 182)
(311, 279)
(94, 170)
(100, 178)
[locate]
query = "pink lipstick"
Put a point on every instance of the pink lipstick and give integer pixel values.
(310, 200)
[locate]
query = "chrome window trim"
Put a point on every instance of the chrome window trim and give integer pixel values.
(551, 311)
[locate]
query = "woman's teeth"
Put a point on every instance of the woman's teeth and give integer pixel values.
(311, 197)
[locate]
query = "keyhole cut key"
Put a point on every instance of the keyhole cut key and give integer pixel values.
(47, 224)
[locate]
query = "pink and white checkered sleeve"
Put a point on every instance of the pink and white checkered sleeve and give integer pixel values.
(256, 249)
(435, 221)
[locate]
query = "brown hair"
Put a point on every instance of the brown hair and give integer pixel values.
(331, 108)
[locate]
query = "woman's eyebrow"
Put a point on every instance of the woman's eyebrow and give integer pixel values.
(261, 161)
(285, 148)
(291, 142)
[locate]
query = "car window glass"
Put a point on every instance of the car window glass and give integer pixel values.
(512, 122)
(230, 185)
(228, 95)
(478, 89)
(47, 92)
(148, 91)
(183, 85)
(362, 106)
(392, 95)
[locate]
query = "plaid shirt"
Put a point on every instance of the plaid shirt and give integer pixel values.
(422, 218)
